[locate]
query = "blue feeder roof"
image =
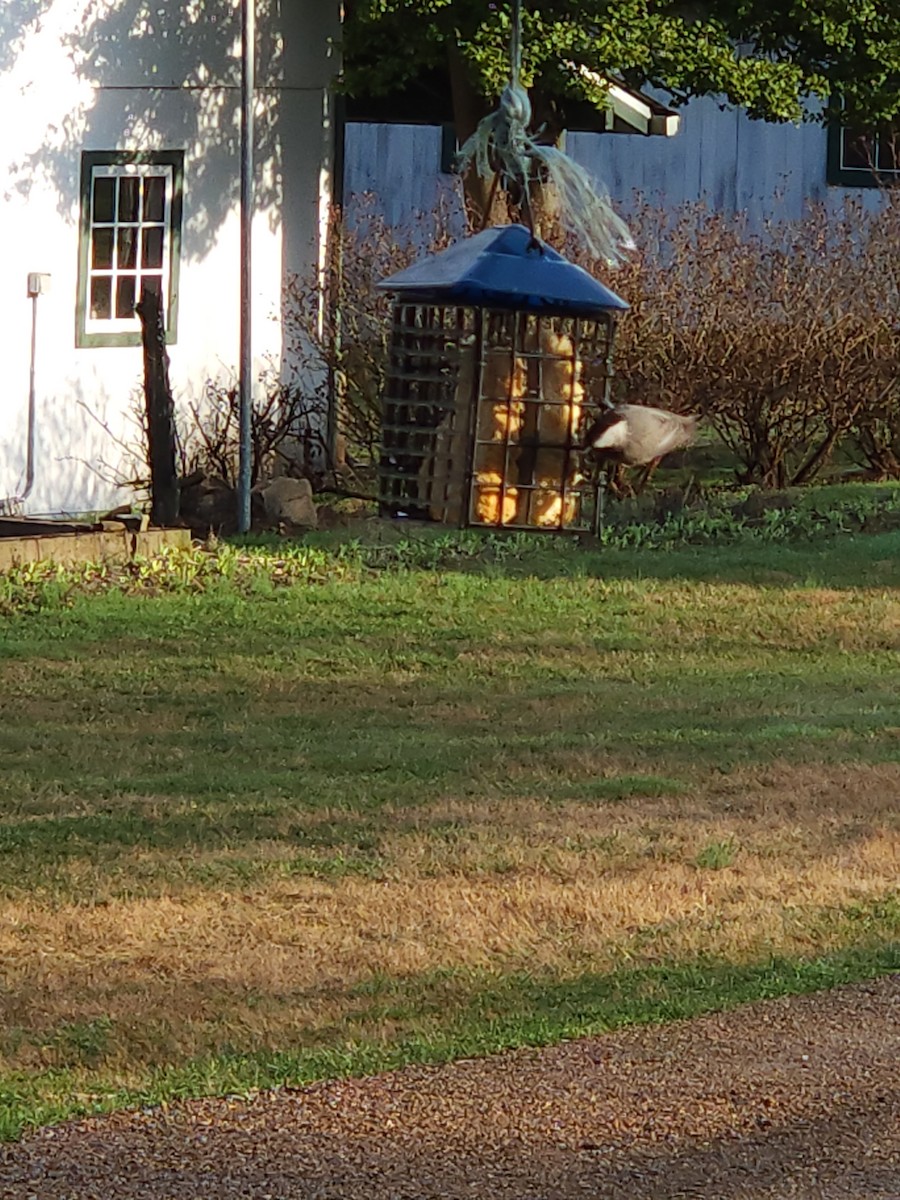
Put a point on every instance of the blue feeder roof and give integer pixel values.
(504, 267)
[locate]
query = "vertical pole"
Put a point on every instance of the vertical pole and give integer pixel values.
(248, 87)
(29, 460)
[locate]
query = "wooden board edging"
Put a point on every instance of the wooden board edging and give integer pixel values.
(68, 549)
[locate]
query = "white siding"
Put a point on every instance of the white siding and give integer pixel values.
(66, 87)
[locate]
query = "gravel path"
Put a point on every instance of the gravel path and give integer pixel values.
(788, 1098)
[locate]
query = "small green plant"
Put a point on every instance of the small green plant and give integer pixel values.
(715, 856)
(81, 1043)
(256, 567)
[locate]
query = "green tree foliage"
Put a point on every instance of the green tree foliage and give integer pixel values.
(772, 58)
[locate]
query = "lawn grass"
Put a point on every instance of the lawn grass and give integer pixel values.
(253, 833)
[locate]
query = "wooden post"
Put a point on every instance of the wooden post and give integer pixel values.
(160, 409)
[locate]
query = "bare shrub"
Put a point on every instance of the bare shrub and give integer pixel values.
(785, 340)
(339, 328)
(876, 439)
(876, 444)
(281, 413)
(335, 327)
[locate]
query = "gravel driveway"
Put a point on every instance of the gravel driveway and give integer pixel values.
(788, 1098)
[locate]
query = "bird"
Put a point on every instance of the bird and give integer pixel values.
(636, 435)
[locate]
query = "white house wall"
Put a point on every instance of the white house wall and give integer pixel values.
(733, 163)
(94, 75)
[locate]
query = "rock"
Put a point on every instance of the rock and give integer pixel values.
(330, 518)
(208, 502)
(124, 517)
(290, 502)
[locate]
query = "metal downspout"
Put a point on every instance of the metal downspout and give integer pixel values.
(12, 504)
(248, 86)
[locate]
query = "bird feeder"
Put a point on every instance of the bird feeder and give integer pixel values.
(500, 357)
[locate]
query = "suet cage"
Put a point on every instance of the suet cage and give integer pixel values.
(500, 355)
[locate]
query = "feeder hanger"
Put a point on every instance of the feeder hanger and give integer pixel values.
(501, 146)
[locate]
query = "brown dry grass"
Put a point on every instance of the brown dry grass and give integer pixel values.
(462, 885)
(428, 813)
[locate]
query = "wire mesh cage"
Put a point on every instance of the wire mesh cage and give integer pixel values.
(484, 416)
(485, 405)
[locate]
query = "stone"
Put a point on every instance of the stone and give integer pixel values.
(290, 502)
(124, 515)
(330, 518)
(208, 502)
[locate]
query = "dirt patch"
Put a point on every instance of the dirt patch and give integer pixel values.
(789, 1098)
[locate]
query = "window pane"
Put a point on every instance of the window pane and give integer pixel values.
(151, 283)
(858, 150)
(129, 197)
(125, 296)
(102, 254)
(104, 199)
(127, 248)
(152, 254)
(889, 150)
(154, 198)
(101, 297)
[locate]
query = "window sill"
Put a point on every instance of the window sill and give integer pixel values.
(89, 341)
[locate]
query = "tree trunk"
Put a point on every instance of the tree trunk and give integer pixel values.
(160, 410)
(815, 461)
(548, 123)
(485, 205)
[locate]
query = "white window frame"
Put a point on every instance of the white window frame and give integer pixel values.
(113, 330)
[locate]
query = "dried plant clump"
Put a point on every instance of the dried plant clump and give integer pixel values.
(336, 330)
(787, 340)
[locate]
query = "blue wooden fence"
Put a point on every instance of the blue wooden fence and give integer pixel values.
(722, 157)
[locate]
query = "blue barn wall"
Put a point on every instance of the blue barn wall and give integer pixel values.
(722, 157)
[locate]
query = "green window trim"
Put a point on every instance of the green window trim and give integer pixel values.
(90, 160)
(839, 175)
